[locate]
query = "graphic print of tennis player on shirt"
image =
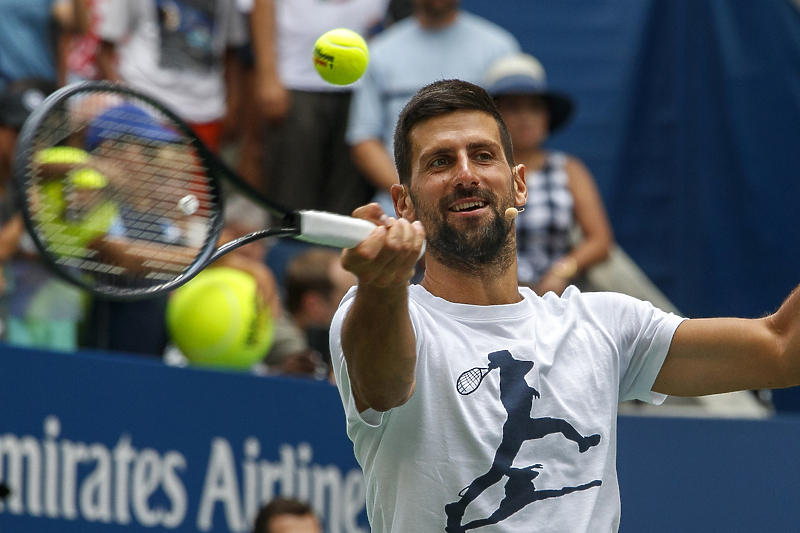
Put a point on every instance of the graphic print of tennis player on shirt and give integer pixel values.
(517, 398)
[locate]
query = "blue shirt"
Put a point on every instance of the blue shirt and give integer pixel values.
(26, 43)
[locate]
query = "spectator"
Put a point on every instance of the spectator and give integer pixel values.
(39, 310)
(315, 284)
(561, 190)
(438, 41)
(79, 51)
(306, 162)
(179, 53)
(286, 515)
(29, 31)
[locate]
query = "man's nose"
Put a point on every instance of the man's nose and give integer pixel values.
(465, 171)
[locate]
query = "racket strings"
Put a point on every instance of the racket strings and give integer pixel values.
(114, 189)
(469, 380)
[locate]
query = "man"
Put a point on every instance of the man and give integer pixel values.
(439, 41)
(445, 441)
(286, 515)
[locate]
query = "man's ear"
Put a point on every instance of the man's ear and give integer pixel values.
(520, 186)
(403, 205)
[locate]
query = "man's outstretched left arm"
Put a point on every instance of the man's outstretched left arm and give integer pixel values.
(716, 355)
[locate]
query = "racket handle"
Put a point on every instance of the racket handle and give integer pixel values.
(321, 227)
(331, 229)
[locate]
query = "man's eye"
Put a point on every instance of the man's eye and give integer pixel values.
(439, 162)
(484, 156)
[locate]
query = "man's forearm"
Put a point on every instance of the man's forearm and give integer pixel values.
(380, 347)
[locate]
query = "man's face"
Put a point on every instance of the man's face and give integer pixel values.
(461, 185)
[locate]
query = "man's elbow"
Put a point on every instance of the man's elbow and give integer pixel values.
(382, 399)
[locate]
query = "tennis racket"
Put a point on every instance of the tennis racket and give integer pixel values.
(122, 199)
(469, 380)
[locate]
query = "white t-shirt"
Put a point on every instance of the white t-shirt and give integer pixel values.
(572, 358)
(173, 51)
(301, 22)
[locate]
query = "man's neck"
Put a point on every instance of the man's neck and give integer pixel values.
(475, 288)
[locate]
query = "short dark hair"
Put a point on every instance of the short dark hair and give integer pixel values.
(279, 506)
(440, 98)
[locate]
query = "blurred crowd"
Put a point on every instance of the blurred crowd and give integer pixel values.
(239, 73)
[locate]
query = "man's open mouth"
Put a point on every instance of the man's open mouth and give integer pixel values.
(468, 206)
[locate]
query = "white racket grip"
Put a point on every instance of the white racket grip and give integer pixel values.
(321, 227)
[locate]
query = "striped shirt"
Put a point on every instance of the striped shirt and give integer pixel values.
(543, 228)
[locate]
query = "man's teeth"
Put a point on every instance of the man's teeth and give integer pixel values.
(468, 205)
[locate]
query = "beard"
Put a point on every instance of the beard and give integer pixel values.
(476, 246)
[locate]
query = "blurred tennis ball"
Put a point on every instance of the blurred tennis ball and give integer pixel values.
(341, 56)
(219, 319)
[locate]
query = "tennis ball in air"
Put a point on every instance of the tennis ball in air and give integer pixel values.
(219, 319)
(341, 56)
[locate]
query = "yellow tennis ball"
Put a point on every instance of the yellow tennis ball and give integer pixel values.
(341, 56)
(219, 319)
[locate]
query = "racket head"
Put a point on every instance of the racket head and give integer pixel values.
(469, 380)
(118, 194)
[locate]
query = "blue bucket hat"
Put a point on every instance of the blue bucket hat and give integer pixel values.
(523, 74)
(127, 119)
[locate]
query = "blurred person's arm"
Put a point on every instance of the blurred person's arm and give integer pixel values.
(72, 18)
(106, 61)
(597, 237)
(116, 19)
(234, 87)
(265, 280)
(365, 132)
(10, 234)
(271, 95)
(374, 162)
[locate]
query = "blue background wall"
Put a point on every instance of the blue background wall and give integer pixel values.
(689, 117)
(221, 437)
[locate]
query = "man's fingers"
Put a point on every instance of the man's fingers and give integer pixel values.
(372, 212)
(388, 255)
(402, 251)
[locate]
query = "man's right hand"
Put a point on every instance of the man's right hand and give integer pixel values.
(387, 257)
